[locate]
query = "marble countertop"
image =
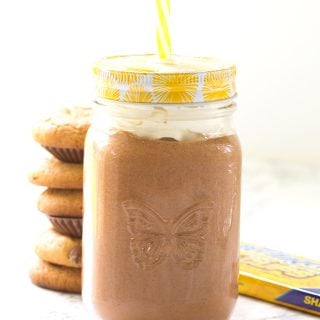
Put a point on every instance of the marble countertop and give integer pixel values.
(47, 305)
(280, 209)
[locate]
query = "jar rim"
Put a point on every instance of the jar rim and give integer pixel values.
(179, 79)
(176, 112)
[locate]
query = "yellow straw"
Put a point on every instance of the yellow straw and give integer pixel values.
(163, 30)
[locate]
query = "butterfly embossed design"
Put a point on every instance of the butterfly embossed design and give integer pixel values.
(154, 239)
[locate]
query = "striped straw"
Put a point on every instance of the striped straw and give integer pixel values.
(163, 30)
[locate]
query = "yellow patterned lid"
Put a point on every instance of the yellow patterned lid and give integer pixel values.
(179, 79)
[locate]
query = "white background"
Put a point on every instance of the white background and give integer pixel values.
(47, 49)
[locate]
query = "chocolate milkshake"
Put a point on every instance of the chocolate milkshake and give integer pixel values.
(162, 198)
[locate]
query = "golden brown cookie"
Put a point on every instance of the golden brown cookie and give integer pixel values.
(68, 226)
(61, 202)
(55, 277)
(59, 249)
(63, 133)
(54, 173)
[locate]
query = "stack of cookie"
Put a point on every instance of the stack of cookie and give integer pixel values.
(59, 248)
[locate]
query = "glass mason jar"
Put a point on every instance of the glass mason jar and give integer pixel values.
(162, 191)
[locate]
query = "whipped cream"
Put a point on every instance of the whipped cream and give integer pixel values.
(180, 122)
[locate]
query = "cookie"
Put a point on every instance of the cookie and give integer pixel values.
(61, 202)
(56, 174)
(63, 133)
(68, 226)
(63, 208)
(59, 249)
(55, 277)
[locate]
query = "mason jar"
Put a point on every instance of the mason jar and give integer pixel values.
(162, 190)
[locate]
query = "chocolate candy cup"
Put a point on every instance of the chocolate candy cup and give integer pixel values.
(74, 155)
(68, 226)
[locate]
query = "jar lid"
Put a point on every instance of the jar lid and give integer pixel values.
(179, 79)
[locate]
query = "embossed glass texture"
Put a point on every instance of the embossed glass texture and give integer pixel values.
(161, 225)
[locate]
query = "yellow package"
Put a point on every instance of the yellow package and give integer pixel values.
(280, 278)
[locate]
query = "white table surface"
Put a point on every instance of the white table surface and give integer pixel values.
(280, 201)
